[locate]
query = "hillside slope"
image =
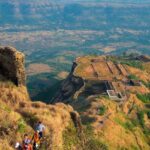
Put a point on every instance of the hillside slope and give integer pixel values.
(19, 115)
(112, 95)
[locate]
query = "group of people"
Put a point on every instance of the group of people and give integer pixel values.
(34, 142)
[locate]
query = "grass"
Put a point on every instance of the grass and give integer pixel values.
(95, 144)
(7, 84)
(133, 63)
(141, 120)
(127, 125)
(131, 124)
(134, 147)
(85, 141)
(145, 98)
(70, 137)
(5, 108)
(91, 142)
(21, 126)
(30, 118)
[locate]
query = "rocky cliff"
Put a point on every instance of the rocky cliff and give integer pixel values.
(12, 65)
(69, 87)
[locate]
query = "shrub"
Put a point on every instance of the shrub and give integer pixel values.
(135, 122)
(129, 125)
(133, 77)
(146, 131)
(147, 84)
(102, 110)
(145, 98)
(148, 114)
(140, 115)
(135, 64)
(21, 126)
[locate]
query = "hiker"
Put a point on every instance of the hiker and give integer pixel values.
(18, 146)
(27, 143)
(36, 140)
(40, 127)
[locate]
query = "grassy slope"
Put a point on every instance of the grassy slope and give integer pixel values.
(18, 115)
(128, 126)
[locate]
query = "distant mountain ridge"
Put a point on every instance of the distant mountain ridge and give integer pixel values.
(72, 1)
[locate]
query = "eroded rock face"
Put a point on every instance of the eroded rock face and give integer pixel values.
(68, 88)
(12, 65)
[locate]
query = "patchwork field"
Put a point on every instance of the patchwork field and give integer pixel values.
(54, 33)
(33, 69)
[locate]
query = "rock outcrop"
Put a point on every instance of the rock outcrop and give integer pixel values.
(69, 87)
(12, 65)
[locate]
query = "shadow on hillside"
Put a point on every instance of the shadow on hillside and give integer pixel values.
(2, 78)
(30, 119)
(43, 87)
(81, 104)
(87, 120)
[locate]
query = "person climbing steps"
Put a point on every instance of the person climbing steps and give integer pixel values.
(40, 127)
(36, 140)
(27, 143)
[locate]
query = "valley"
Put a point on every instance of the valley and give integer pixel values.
(54, 33)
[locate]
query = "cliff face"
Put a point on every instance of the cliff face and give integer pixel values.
(69, 87)
(12, 65)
